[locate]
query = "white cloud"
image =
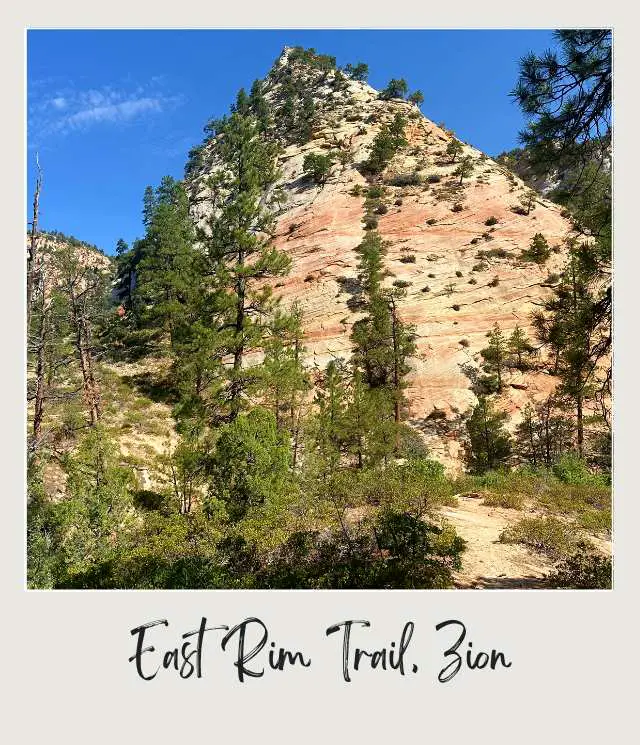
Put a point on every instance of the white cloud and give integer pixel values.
(72, 110)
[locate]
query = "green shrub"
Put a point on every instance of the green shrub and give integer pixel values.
(406, 179)
(375, 192)
(584, 569)
(434, 178)
(508, 500)
(317, 167)
(370, 222)
(408, 259)
(545, 534)
(571, 469)
(491, 221)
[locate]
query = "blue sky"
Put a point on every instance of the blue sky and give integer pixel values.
(112, 111)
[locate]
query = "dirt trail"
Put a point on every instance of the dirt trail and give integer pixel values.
(487, 563)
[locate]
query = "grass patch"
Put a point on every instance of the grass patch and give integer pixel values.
(545, 534)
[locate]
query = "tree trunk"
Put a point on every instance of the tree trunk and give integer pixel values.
(580, 424)
(238, 352)
(32, 259)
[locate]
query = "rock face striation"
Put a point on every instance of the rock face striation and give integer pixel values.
(455, 248)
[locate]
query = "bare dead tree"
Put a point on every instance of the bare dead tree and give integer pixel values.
(32, 259)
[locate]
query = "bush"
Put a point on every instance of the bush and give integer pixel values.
(509, 500)
(473, 281)
(495, 281)
(250, 464)
(458, 273)
(426, 288)
(401, 283)
(538, 250)
(375, 192)
(357, 191)
(434, 178)
(381, 209)
(491, 221)
(571, 469)
(456, 307)
(431, 221)
(317, 167)
(398, 202)
(406, 179)
(457, 207)
(408, 259)
(474, 241)
(546, 534)
(584, 569)
(481, 267)
(370, 222)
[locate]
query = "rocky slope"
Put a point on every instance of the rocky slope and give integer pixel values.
(435, 230)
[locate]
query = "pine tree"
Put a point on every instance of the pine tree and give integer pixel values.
(465, 168)
(519, 346)
(581, 334)
(490, 445)
(495, 355)
(417, 98)
(386, 144)
(396, 88)
(454, 149)
(567, 99)
(538, 250)
(165, 271)
(238, 243)
(359, 71)
(86, 291)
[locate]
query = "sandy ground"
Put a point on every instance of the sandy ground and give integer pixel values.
(487, 563)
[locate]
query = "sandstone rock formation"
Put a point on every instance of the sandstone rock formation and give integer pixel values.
(435, 229)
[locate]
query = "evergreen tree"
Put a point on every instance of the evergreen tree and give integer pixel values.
(538, 250)
(454, 149)
(165, 272)
(490, 445)
(495, 355)
(250, 465)
(239, 248)
(567, 98)
(417, 98)
(465, 168)
(544, 433)
(386, 144)
(573, 323)
(396, 88)
(519, 346)
(317, 167)
(359, 71)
